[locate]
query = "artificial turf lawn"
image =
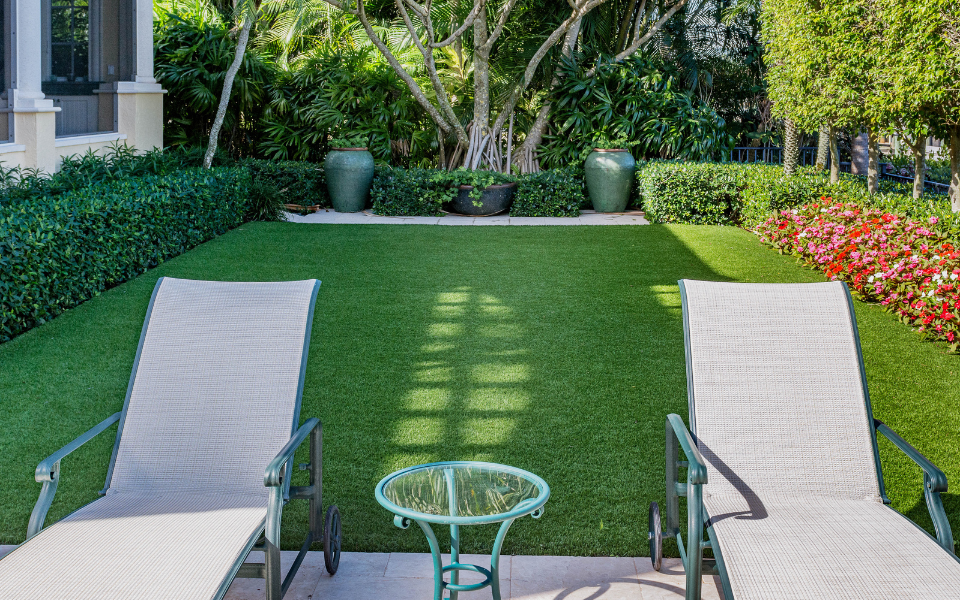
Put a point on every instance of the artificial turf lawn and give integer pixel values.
(554, 349)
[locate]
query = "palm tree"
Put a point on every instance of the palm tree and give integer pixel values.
(791, 147)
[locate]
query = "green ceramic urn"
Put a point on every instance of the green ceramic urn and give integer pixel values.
(349, 174)
(609, 177)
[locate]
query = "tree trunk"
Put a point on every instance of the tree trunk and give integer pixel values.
(823, 147)
(534, 137)
(481, 93)
(873, 161)
(228, 89)
(955, 169)
(834, 157)
(918, 147)
(791, 149)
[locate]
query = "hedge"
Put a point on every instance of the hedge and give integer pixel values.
(740, 194)
(297, 182)
(553, 193)
(397, 191)
(57, 251)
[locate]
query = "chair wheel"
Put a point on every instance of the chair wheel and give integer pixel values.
(656, 537)
(332, 533)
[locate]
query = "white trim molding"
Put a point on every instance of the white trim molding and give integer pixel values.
(85, 139)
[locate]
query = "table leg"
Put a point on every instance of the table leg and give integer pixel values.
(454, 530)
(495, 559)
(437, 561)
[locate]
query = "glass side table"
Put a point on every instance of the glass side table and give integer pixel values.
(462, 493)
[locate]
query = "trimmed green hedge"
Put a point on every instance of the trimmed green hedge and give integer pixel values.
(397, 191)
(407, 192)
(57, 251)
(553, 193)
(297, 182)
(740, 194)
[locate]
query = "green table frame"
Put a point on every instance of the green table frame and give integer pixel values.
(404, 517)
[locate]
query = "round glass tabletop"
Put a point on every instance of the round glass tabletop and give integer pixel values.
(462, 492)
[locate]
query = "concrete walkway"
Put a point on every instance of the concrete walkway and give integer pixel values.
(400, 576)
(587, 217)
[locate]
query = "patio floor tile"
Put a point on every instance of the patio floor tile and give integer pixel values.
(404, 576)
(368, 218)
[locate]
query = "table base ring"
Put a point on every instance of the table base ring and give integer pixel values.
(468, 587)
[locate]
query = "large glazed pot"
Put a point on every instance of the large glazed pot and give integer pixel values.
(609, 177)
(349, 174)
(494, 199)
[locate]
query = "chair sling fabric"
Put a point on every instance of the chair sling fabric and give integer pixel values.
(214, 395)
(780, 414)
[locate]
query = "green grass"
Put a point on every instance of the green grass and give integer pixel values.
(554, 349)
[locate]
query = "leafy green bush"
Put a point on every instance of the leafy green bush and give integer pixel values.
(57, 251)
(639, 100)
(683, 192)
(553, 193)
(334, 92)
(740, 194)
(410, 192)
(193, 50)
(296, 182)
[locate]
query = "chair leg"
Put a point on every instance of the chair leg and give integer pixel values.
(316, 482)
(694, 566)
(271, 550)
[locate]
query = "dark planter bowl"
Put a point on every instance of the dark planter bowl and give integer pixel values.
(494, 199)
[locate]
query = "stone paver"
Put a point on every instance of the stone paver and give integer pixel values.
(402, 576)
(366, 217)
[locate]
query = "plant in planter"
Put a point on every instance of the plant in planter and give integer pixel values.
(349, 171)
(608, 171)
(477, 193)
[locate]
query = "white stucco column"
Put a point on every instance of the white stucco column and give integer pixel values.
(34, 116)
(26, 71)
(139, 103)
(143, 41)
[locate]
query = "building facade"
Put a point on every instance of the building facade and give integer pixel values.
(77, 75)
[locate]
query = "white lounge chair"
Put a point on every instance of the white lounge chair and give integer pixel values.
(200, 469)
(781, 457)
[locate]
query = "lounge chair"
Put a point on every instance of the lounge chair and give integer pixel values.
(200, 471)
(781, 461)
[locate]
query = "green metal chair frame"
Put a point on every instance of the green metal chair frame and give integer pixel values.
(678, 438)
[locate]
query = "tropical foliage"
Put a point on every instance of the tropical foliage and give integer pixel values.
(637, 100)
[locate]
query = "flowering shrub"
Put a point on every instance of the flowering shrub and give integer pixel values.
(910, 266)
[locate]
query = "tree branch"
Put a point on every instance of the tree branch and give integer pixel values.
(431, 67)
(466, 23)
(504, 14)
(637, 42)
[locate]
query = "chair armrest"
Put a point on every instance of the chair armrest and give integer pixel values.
(47, 469)
(271, 476)
(936, 480)
(48, 474)
(696, 467)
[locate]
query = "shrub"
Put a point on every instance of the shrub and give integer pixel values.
(640, 99)
(553, 193)
(57, 251)
(411, 192)
(296, 182)
(910, 266)
(740, 194)
(682, 192)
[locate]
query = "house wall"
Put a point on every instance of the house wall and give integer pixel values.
(127, 106)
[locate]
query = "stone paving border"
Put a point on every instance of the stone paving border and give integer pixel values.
(403, 576)
(587, 217)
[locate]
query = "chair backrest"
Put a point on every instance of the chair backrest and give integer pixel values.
(778, 400)
(216, 386)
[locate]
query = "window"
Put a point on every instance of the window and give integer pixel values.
(69, 40)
